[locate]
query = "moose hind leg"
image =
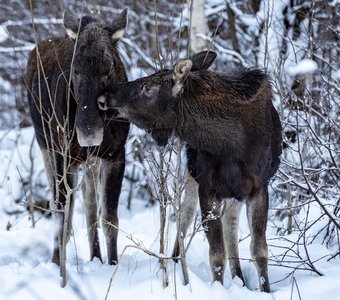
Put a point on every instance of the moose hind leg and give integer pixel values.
(257, 213)
(230, 229)
(91, 200)
(111, 177)
(211, 219)
(188, 210)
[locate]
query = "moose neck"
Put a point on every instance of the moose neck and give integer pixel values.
(213, 112)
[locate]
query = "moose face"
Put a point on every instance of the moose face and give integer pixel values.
(96, 64)
(152, 102)
(147, 100)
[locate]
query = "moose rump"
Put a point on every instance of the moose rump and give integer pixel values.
(233, 134)
(64, 76)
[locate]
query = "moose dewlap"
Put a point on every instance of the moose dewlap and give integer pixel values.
(233, 134)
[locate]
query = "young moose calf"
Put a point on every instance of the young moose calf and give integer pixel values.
(64, 76)
(234, 137)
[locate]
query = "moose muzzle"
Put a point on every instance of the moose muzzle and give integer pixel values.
(89, 137)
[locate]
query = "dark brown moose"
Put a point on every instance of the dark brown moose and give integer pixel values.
(64, 76)
(233, 134)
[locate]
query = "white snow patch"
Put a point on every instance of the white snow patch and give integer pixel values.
(304, 67)
(3, 34)
(27, 273)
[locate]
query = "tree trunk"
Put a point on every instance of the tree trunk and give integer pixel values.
(198, 25)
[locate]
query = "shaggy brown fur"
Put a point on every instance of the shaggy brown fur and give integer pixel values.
(64, 76)
(233, 134)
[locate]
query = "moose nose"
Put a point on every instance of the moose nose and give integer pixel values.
(102, 103)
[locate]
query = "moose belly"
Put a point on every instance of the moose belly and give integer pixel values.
(227, 178)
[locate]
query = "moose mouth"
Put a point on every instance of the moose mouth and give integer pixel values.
(104, 105)
(95, 138)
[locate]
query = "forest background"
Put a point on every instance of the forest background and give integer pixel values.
(296, 41)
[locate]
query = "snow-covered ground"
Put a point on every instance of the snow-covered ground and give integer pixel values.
(26, 271)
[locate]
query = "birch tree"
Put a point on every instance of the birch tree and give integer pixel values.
(198, 26)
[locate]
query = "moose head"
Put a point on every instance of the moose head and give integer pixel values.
(96, 64)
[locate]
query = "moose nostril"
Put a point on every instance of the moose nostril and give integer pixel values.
(102, 103)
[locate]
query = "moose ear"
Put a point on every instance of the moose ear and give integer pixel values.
(71, 23)
(119, 24)
(180, 73)
(203, 60)
(182, 69)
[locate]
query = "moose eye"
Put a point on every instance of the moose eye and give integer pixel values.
(110, 71)
(105, 77)
(107, 74)
(149, 91)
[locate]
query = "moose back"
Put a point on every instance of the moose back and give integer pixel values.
(233, 134)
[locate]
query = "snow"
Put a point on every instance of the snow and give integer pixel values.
(304, 67)
(3, 34)
(26, 271)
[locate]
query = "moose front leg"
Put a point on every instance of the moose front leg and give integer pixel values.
(62, 191)
(112, 173)
(211, 219)
(189, 204)
(63, 213)
(91, 201)
(257, 213)
(187, 212)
